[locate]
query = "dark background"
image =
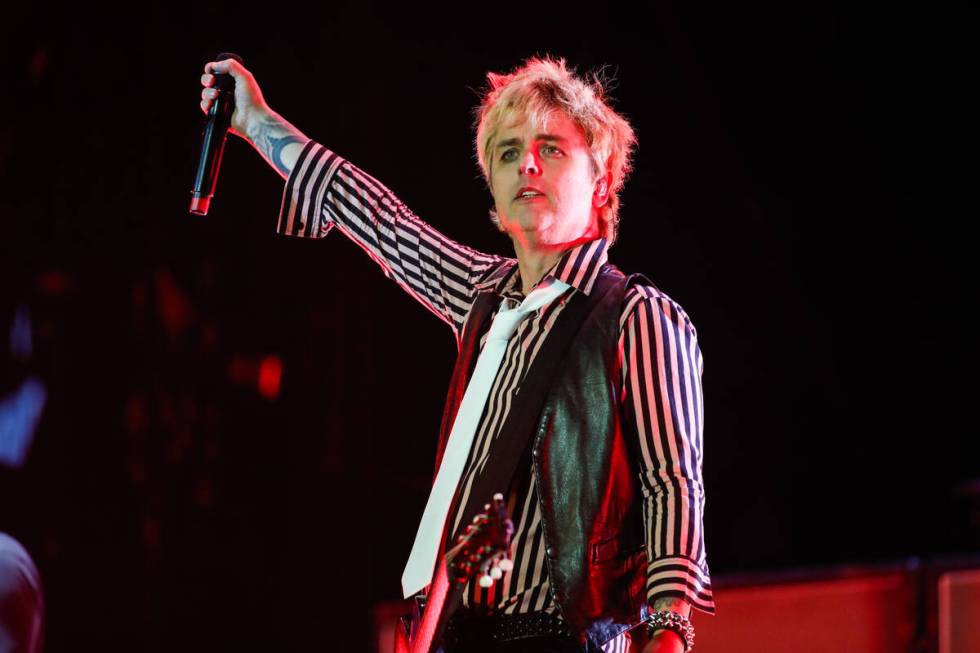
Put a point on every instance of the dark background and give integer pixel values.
(792, 191)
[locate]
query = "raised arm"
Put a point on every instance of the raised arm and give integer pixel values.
(324, 191)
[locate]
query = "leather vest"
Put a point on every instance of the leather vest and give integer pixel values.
(585, 469)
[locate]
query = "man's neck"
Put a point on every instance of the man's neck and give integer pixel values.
(533, 266)
(535, 259)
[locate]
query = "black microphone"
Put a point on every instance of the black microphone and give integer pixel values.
(215, 134)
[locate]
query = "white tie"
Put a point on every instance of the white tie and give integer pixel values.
(421, 562)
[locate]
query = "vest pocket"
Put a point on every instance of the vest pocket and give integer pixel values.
(610, 549)
(604, 551)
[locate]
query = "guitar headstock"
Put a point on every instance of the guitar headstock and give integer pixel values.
(483, 547)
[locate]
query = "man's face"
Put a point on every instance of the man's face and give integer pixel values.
(542, 183)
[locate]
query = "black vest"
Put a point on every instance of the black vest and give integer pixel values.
(585, 467)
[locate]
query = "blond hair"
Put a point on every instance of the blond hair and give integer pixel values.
(534, 92)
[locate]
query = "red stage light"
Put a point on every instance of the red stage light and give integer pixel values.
(270, 376)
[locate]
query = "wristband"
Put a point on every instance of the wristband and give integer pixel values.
(672, 621)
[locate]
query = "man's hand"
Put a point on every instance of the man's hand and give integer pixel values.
(250, 106)
(664, 641)
(279, 143)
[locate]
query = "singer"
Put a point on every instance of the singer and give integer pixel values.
(608, 549)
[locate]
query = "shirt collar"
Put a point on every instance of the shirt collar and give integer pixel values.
(578, 267)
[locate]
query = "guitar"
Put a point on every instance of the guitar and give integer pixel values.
(480, 551)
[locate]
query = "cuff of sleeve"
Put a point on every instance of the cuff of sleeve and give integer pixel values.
(683, 578)
(301, 212)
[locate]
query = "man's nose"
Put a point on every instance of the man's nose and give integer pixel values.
(529, 166)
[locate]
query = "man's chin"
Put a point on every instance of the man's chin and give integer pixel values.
(528, 222)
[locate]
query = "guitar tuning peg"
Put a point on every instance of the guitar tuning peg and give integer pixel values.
(498, 497)
(486, 581)
(505, 564)
(486, 506)
(495, 573)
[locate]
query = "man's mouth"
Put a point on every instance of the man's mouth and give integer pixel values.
(528, 193)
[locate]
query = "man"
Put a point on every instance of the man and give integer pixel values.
(608, 505)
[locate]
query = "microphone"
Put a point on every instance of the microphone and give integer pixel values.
(215, 134)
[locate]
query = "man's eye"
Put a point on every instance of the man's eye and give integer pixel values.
(552, 149)
(508, 155)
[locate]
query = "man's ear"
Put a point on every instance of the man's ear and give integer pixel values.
(600, 194)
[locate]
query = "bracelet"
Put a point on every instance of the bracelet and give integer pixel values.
(672, 621)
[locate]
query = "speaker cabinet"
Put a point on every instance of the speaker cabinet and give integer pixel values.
(871, 614)
(959, 611)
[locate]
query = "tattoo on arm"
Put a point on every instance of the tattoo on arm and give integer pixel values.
(271, 137)
(672, 603)
(277, 145)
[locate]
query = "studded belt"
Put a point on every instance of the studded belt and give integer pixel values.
(464, 629)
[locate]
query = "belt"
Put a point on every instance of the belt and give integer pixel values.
(466, 629)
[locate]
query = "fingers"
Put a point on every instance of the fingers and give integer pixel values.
(223, 66)
(228, 66)
(211, 68)
(207, 93)
(207, 96)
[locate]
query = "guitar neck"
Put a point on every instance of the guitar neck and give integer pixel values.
(444, 597)
(486, 539)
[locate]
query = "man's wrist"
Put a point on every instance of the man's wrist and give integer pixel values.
(279, 143)
(258, 120)
(677, 622)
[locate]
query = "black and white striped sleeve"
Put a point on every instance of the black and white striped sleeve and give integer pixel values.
(662, 369)
(324, 191)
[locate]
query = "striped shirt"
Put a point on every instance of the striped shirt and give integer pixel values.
(660, 361)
